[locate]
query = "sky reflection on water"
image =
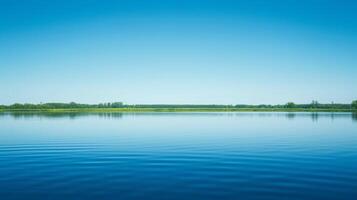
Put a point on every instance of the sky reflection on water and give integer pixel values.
(178, 155)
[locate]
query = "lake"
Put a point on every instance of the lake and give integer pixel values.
(244, 155)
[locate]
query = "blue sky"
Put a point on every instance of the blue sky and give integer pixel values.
(188, 51)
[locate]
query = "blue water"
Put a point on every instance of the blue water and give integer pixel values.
(178, 156)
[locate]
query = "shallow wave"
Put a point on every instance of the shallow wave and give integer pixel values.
(154, 161)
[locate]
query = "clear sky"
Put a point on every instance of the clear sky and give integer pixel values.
(184, 51)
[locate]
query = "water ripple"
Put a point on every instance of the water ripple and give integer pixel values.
(161, 163)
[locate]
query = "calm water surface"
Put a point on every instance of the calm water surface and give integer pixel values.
(178, 156)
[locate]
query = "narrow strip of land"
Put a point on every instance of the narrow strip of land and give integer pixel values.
(120, 107)
(180, 110)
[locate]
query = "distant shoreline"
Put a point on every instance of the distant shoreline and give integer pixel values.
(314, 106)
(103, 110)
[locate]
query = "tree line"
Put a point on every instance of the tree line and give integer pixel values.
(73, 105)
(61, 105)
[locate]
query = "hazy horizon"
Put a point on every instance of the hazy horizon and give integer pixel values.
(178, 52)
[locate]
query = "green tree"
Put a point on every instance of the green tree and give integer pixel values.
(290, 105)
(314, 104)
(354, 104)
(117, 105)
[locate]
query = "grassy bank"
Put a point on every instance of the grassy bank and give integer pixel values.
(180, 110)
